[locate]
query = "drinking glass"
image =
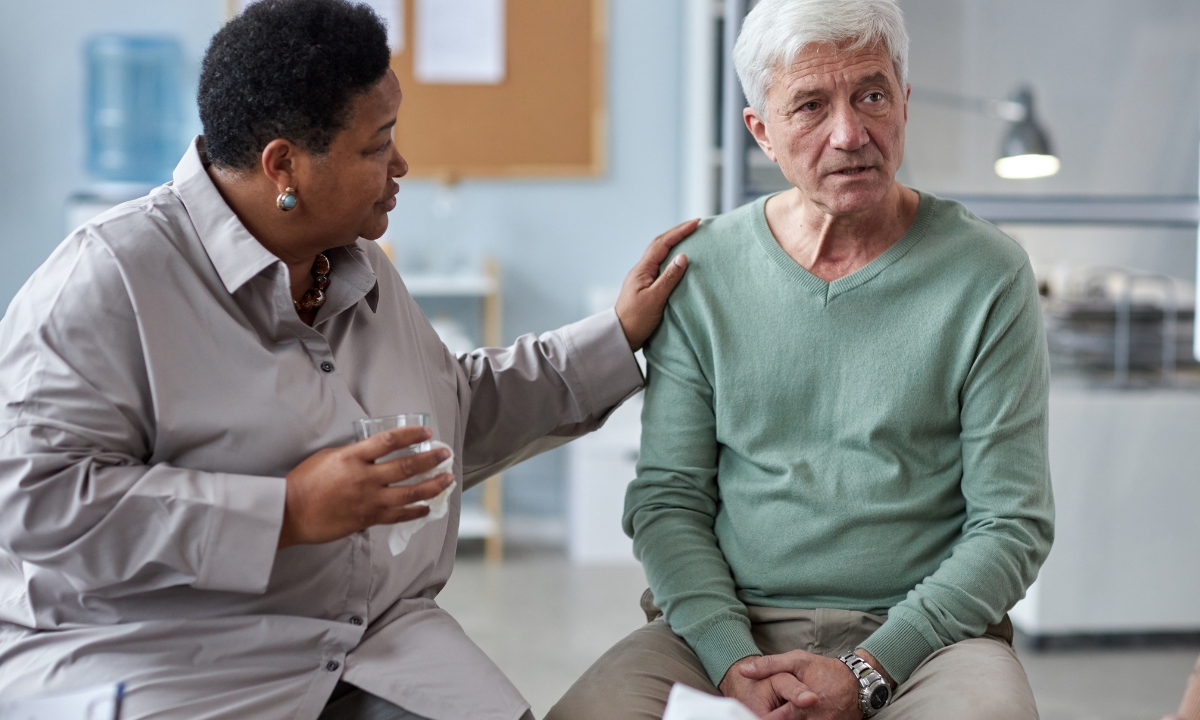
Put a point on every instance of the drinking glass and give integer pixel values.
(366, 427)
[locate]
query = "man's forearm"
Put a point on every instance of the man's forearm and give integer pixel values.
(693, 585)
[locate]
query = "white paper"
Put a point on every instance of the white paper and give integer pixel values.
(459, 42)
(390, 11)
(96, 703)
(685, 703)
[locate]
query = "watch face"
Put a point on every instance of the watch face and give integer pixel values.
(879, 697)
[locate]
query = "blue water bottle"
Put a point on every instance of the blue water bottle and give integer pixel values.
(134, 108)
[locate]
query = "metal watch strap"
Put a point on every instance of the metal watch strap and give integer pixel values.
(874, 693)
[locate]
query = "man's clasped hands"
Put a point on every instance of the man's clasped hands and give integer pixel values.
(797, 685)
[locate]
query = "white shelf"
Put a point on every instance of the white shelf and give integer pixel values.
(477, 286)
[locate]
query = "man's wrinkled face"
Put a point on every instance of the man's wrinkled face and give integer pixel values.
(835, 124)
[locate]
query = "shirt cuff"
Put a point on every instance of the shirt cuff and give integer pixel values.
(243, 536)
(723, 644)
(607, 372)
(899, 646)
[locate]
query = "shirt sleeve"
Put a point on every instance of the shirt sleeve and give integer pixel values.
(1009, 523)
(541, 392)
(671, 507)
(78, 494)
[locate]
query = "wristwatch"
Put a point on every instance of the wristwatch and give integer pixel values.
(874, 693)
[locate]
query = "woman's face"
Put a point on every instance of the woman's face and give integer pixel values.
(348, 192)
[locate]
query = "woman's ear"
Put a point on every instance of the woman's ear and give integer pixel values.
(279, 163)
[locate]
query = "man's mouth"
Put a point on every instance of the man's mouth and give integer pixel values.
(852, 171)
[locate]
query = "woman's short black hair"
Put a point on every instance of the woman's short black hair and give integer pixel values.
(287, 69)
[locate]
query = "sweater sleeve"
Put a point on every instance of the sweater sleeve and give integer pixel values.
(671, 507)
(1009, 522)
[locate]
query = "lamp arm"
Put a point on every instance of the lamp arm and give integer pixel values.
(1001, 109)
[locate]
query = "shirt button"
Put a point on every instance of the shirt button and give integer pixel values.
(332, 666)
(356, 620)
(327, 367)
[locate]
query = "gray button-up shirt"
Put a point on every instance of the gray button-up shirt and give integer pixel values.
(156, 385)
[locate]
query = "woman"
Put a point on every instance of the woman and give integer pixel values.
(181, 508)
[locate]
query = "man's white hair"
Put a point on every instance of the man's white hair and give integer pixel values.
(776, 31)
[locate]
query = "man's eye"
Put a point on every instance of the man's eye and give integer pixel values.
(874, 97)
(811, 106)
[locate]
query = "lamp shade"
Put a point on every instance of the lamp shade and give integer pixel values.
(1026, 152)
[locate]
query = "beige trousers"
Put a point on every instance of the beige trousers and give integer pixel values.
(979, 679)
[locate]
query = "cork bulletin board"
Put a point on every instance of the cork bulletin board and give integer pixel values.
(545, 119)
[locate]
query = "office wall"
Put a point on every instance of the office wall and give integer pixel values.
(554, 239)
(42, 76)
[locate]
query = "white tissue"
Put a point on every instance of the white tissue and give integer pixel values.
(684, 703)
(439, 505)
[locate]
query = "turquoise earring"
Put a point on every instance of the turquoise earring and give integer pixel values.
(287, 199)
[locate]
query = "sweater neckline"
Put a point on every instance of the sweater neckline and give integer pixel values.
(829, 290)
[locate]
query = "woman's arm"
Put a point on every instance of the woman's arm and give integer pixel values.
(544, 391)
(77, 495)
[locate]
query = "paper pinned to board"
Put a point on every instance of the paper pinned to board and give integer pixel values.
(459, 42)
(392, 14)
(684, 703)
(390, 11)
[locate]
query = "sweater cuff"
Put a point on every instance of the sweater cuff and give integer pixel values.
(899, 647)
(723, 644)
(607, 371)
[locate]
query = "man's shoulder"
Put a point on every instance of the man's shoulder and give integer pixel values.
(964, 239)
(720, 237)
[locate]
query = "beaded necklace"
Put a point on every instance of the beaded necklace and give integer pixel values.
(314, 297)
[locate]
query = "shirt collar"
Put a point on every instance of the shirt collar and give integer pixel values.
(234, 252)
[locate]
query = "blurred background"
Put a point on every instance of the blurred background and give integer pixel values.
(1098, 101)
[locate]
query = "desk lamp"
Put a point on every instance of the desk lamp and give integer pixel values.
(1025, 152)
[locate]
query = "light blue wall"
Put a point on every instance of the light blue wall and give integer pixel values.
(42, 108)
(554, 240)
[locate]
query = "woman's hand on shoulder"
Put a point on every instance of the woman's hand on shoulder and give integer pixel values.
(644, 293)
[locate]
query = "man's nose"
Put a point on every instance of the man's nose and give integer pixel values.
(849, 132)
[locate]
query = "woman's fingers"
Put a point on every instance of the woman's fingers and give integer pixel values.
(663, 243)
(662, 288)
(410, 466)
(398, 501)
(408, 494)
(390, 441)
(661, 246)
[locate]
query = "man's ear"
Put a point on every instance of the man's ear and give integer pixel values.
(758, 129)
(279, 163)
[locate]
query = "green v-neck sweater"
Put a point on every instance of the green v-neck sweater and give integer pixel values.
(877, 443)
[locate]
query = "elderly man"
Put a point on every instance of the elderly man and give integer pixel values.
(844, 481)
